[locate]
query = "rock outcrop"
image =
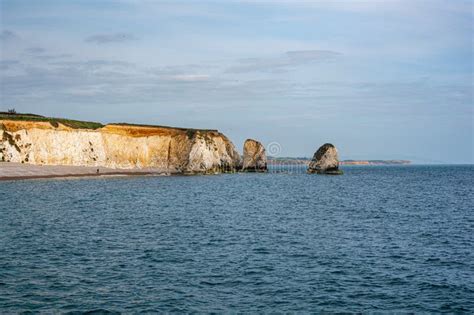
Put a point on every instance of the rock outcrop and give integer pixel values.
(255, 159)
(325, 161)
(166, 149)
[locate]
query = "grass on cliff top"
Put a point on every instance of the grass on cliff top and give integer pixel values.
(75, 124)
(160, 126)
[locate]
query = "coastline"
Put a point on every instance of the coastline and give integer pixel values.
(19, 171)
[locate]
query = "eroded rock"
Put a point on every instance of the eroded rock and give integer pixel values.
(166, 149)
(255, 159)
(212, 153)
(325, 161)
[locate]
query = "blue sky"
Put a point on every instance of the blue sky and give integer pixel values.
(379, 79)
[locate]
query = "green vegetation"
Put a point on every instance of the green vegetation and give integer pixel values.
(193, 130)
(190, 133)
(76, 124)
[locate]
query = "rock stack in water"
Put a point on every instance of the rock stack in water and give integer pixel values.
(255, 159)
(325, 161)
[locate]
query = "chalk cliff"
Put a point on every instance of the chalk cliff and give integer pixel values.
(254, 159)
(170, 150)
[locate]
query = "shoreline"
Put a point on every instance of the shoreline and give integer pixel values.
(20, 171)
(116, 174)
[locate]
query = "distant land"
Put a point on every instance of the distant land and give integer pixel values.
(304, 160)
(375, 162)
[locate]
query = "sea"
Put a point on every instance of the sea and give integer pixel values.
(377, 239)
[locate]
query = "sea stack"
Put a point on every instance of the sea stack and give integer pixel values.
(325, 161)
(255, 159)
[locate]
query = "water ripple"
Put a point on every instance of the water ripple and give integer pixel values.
(378, 239)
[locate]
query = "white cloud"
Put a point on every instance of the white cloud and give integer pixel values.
(111, 38)
(190, 77)
(284, 62)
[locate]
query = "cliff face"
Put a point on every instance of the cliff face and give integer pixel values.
(255, 159)
(171, 150)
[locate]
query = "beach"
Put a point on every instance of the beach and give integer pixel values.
(19, 171)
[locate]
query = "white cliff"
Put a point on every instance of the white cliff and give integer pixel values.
(172, 150)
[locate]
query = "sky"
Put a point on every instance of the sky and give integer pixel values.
(378, 79)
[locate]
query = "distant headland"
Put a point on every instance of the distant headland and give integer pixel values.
(306, 161)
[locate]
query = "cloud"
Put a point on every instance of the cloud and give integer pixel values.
(110, 38)
(39, 53)
(311, 55)
(8, 35)
(104, 80)
(181, 69)
(35, 50)
(190, 77)
(283, 63)
(7, 64)
(93, 63)
(53, 57)
(182, 73)
(107, 81)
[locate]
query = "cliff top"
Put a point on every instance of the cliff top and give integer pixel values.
(75, 124)
(161, 126)
(78, 124)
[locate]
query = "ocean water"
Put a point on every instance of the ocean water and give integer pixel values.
(375, 239)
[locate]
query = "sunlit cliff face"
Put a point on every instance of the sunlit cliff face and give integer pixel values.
(170, 150)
